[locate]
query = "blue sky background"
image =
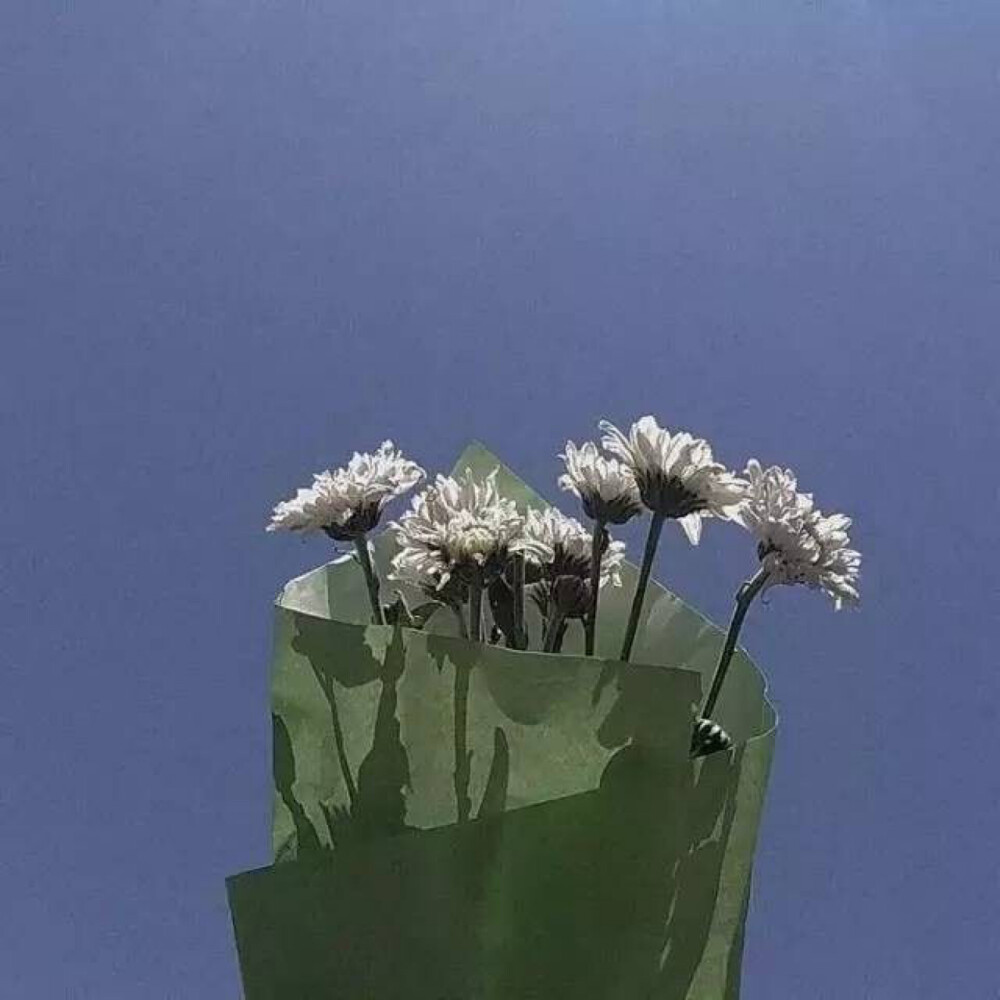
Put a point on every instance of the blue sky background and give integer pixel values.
(239, 240)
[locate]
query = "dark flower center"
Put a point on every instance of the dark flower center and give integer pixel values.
(667, 495)
(361, 521)
(617, 511)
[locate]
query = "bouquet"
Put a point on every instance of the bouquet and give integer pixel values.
(507, 763)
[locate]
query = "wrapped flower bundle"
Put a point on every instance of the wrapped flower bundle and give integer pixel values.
(507, 763)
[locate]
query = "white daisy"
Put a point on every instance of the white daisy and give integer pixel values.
(466, 526)
(560, 569)
(426, 571)
(605, 486)
(562, 547)
(796, 542)
(676, 474)
(347, 503)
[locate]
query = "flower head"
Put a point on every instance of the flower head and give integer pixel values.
(605, 486)
(460, 527)
(427, 572)
(346, 503)
(559, 561)
(561, 546)
(676, 474)
(796, 542)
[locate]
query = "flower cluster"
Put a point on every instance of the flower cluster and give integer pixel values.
(462, 538)
(676, 477)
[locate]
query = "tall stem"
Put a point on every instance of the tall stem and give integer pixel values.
(371, 578)
(561, 636)
(652, 540)
(463, 628)
(476, 612)
(517, 587)
(744, 598)
(553, 627)
(596, 552)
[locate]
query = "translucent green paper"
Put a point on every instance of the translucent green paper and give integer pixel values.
(600, 861)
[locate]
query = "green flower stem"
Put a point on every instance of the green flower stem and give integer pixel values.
(652, 540)
(463, 628)
(553, 628)
(371, 578)
(476, 612)
(596, 552)
(517, 586)
(561, 636)
(744, 598)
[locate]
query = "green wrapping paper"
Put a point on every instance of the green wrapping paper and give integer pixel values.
(599, 862)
